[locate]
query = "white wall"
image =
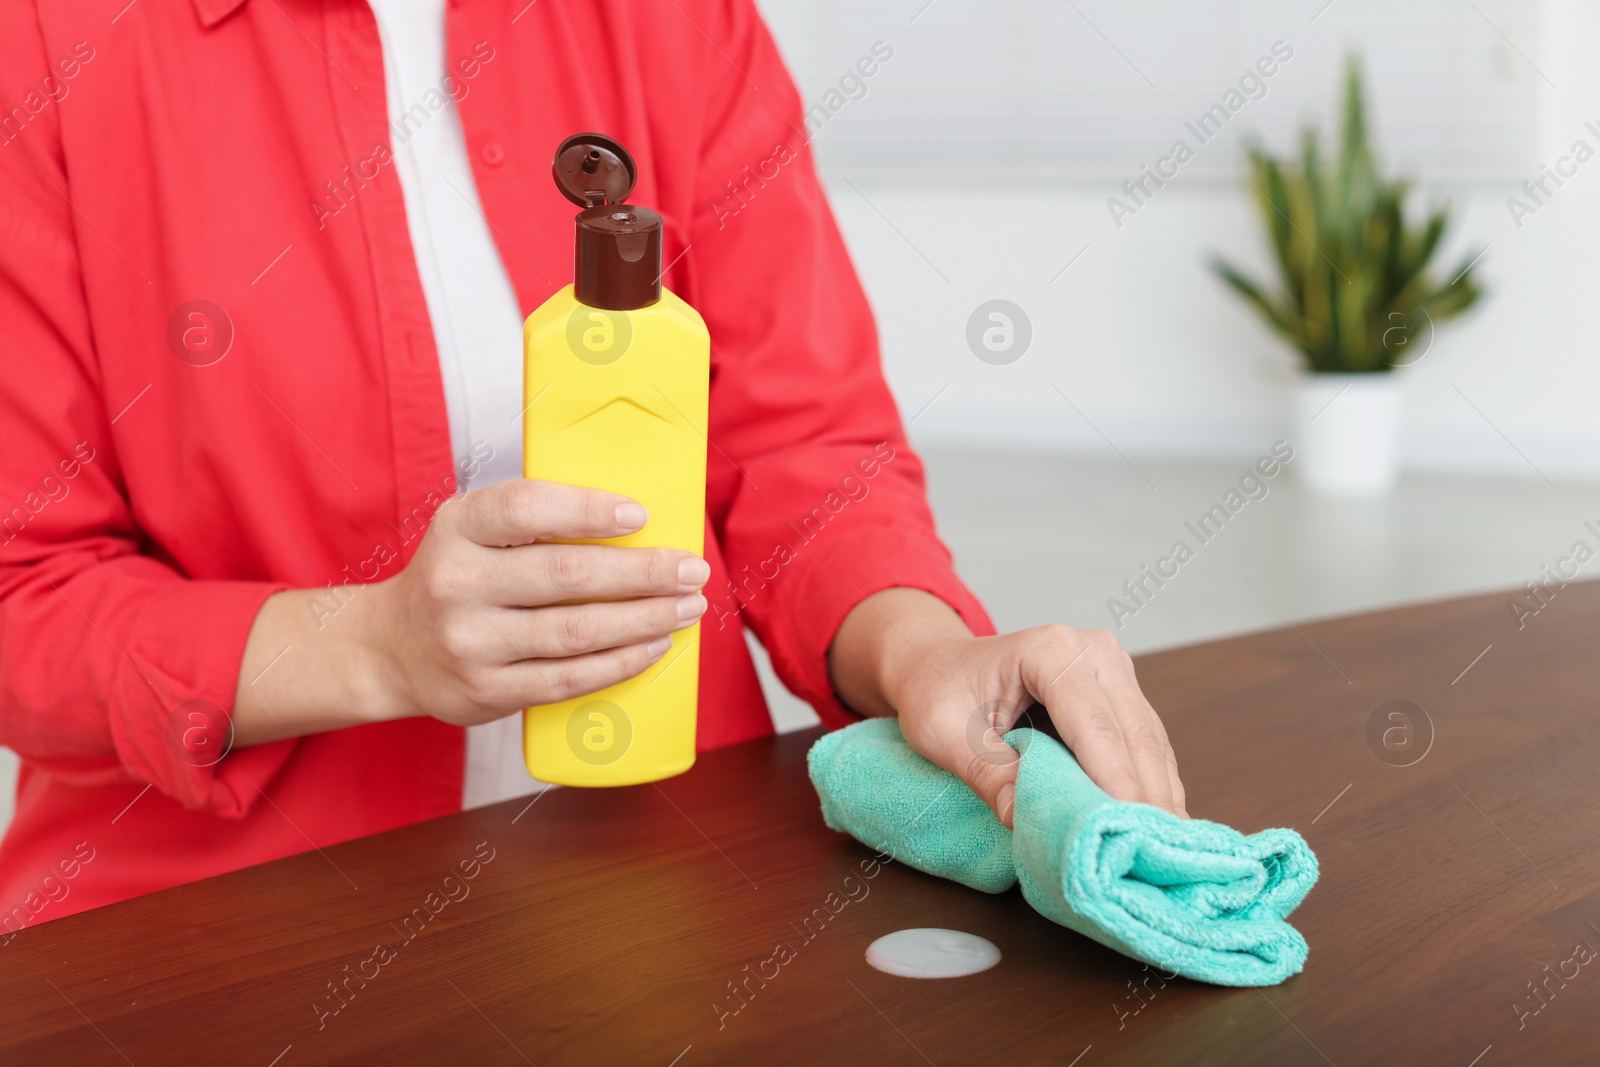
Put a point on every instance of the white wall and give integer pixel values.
(1165, 361)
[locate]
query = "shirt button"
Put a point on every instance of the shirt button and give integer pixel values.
(492, 154)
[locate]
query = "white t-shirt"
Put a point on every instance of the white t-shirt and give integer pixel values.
(476, 321)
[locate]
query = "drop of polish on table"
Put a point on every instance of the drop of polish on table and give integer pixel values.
(931, 952)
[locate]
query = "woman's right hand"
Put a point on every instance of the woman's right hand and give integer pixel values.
(486, 618)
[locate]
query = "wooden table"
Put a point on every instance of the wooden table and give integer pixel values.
(612, 926)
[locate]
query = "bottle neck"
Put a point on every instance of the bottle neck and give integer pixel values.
(617, 257)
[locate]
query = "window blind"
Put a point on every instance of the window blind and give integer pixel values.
(1100, 86)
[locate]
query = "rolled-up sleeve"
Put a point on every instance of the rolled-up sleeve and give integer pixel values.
(101, 643)
(818, 500)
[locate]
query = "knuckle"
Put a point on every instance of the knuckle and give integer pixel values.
(434, 584)
(974, 770)
(520, 505)
(456, 640)
(569, 570)
(1102, 727)
(1146, 740)
(578, 677)
(1053, 639)
(1057, 633)
(634, 659)
(576, 631)
(560, 685)
(985, 771)
(439, 584)
(662, 570)
(575, 679)
(1103, 640)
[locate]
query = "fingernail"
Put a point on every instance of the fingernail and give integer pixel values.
(1006, 800)
(658, 647)
(693, 570)
(691, 607)
(631, 516)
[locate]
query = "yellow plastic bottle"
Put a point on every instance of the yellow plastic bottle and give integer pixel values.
(616, 376)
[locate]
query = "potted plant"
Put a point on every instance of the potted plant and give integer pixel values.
(1354, 297)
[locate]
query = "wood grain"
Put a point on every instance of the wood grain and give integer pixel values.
(608, 925)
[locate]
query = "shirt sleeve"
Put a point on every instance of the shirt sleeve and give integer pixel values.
(825, 501)
(105, 650)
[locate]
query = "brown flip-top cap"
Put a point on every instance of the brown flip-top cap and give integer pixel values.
(617, 255)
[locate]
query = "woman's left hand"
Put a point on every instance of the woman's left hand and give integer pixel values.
(905, 652)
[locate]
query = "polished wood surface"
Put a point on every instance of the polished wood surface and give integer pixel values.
(1456, 923)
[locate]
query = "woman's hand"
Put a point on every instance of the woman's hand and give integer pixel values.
(905, 652)
(486, 618)
(482, 621)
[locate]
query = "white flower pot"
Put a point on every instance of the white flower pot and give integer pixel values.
(1346, 434)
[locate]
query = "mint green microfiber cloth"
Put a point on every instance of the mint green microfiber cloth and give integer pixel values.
(1184, 895)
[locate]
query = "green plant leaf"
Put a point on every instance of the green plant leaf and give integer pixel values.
(1281, 320)
(1350, 266)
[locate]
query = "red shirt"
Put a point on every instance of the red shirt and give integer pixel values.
(160, 153)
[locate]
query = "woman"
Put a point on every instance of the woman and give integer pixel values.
(263, 269)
